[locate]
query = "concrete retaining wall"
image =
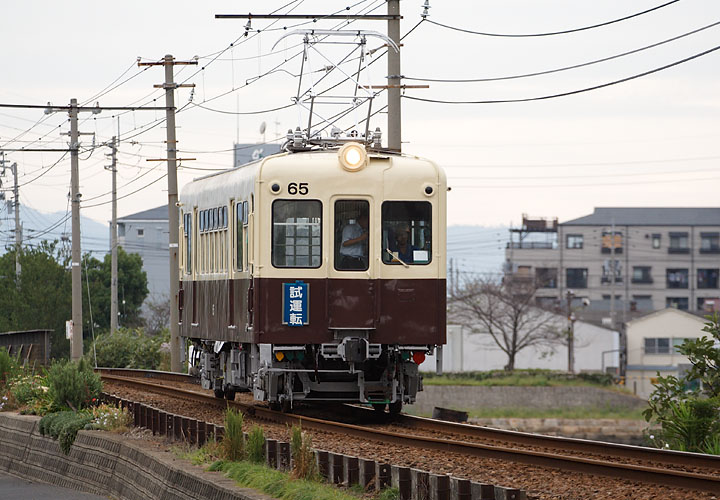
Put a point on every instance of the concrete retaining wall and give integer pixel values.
(471, 397)
(106, 464)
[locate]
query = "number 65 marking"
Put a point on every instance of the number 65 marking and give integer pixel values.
(298, 188)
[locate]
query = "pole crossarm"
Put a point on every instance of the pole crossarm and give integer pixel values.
(353, 33)
(173, 86)
(163, 63)
(170, 159)
(96, 109)
(366, 17)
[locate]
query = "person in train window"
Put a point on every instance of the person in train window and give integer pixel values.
(403, 247)
(354, 247)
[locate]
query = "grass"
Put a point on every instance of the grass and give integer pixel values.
(520, 378)
(278, 484)
(275, 483)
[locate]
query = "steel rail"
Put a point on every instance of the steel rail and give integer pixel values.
(669, 457)
(639, 473)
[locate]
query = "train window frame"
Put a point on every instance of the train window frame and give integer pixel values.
(246, 240)
(390, 224)
(344, 262)
(310, 246)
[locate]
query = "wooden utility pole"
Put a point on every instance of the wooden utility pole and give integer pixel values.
(173, 219)
(113, 241)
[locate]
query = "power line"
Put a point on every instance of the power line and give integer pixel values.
(573, 92)
(574, 30)
(565, 68)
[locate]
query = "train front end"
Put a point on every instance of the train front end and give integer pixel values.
(348, 284)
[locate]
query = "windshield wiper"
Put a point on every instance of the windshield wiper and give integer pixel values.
(396, 257)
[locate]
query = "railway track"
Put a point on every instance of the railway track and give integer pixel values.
(590, 457)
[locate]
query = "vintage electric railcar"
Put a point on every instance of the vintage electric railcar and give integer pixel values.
(315, 276)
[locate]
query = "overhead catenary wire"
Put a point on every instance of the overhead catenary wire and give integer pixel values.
(564, 68)
(572, 92)
(552, 33)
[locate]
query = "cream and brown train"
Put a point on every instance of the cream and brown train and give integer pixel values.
(315, 276)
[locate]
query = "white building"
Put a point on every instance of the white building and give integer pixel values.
(652, 342)
(596, 350)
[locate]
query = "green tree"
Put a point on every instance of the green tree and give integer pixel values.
(41, 299)
(684, 411)
(132, 290)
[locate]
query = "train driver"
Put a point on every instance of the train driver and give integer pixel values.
(354, 247)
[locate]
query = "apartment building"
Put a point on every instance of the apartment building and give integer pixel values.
(646, 258)
(146, 233)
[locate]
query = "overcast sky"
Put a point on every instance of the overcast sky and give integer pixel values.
(651, 141)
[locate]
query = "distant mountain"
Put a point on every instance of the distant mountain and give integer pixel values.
(476, 249)
(38, 226)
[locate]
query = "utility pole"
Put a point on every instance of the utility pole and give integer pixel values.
(612, 278)
(16, 206)
(173, 220)
(113, 242)
(18, 226)
(394, 79)
(76, 348)
(571, 332)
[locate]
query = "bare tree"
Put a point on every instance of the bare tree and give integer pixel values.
(506, 312)
(157, 315)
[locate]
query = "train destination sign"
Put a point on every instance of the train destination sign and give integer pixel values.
(296, 303)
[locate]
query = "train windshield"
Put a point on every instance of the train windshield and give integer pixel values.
(406, 232)
(297, 233)
(351, 235)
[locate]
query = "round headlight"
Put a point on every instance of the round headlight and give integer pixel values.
(353, 156)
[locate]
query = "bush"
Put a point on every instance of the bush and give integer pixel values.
(64, 427)
(73, 385)
(233, 441)
(130, 349)
(304, 465)
(683, 411)
(256, 445)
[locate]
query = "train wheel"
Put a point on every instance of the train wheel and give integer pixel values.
(395, 407)
(219, 393)
(230, 394)
(380, 408)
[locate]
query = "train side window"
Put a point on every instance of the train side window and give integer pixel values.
(406, 232)
(297, 233)
(351, 235)
(239, 237)
(187, 226)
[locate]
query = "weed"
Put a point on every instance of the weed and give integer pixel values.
(256, 445)
(234, 442)
(304, 466)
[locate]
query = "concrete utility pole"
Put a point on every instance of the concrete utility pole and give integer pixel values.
(113, 242)
(76, 347)
(16, 206)
(394, 79)
(18, 226)
(173, 220)
(612, 278)
(571, 332)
